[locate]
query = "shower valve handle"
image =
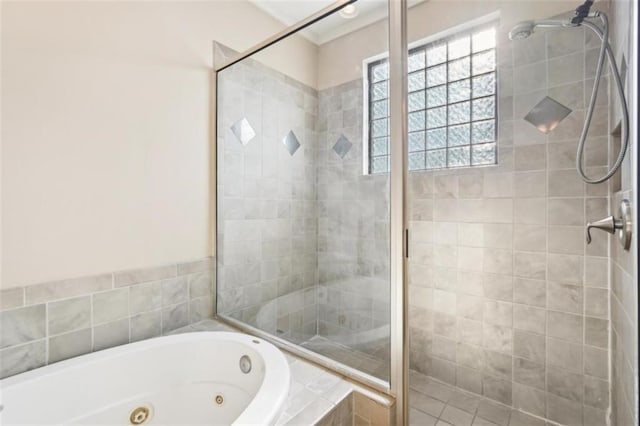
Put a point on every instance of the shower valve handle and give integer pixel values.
(608, 224)
(612, 224)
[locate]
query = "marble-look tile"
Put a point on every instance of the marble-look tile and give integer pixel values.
(313, 411)
(146, 325)
(69, 345)
(145, 297)
(22, 325)
(21, 358)
(135, 276)
(11, 298)
(111, 334)
(69, 314)
(199, 284)
(174, 290)
(200, 309)
(196, 266)
(174, 316)
(65, 289)
(110, 305)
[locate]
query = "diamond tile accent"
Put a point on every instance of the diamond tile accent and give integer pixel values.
(547, 114)
(342, 146)
(243, 131)
(291, 142)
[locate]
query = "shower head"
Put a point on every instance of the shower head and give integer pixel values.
(524, 29)
(521, 30)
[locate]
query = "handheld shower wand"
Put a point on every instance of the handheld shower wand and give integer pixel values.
(581, 18)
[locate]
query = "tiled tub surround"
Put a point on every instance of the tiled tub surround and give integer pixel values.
(267, 220)
(506, 299)
(49, 322)
(318, 396)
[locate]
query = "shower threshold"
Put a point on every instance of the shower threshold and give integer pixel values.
(374, 361)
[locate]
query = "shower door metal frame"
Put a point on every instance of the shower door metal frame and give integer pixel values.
(397, 386)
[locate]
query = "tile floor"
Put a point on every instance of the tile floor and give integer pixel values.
(437, 404)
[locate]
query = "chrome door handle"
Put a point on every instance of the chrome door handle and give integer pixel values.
(610, 224)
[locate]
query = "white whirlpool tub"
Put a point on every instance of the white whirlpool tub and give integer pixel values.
(203, 378)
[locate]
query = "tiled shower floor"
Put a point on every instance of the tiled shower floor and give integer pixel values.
(436, 404)
(432, 403)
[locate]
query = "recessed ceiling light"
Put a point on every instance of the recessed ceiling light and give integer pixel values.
(349, 11)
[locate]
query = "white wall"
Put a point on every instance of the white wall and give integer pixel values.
(106, 130)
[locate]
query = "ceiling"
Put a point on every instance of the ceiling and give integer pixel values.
(291, 11)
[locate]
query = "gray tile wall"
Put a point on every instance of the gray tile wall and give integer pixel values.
(353, 229)
(623, 266)
(507, 300)
(267, 209)
(53, 321)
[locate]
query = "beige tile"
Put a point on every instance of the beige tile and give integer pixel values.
(493, 412)
(566, 211)
(565, 326)
(564, 354)
(530, 292)
(498, 236)
(530, 211)
(497, 388)
(529, 373)
(565, 297)
(529, 346)
(596, 362)
(564, 383)
(529, 399)
(529, 319)
(425, 403)
(533, 157)
(530, 78)
(565, 268)
(566, 69)
(456, 416)
(596, 332)
(565, 239)
(530, 184)
(530, 265)
(530, 237)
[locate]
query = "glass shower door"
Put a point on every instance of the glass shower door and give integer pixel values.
(303, 244)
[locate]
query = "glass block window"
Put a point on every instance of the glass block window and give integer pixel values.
(452, 104)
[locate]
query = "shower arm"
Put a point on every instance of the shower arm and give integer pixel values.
(603, 34)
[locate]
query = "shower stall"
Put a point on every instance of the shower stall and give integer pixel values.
(402, 205)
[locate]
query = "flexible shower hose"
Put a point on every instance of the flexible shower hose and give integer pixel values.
(603, 33)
